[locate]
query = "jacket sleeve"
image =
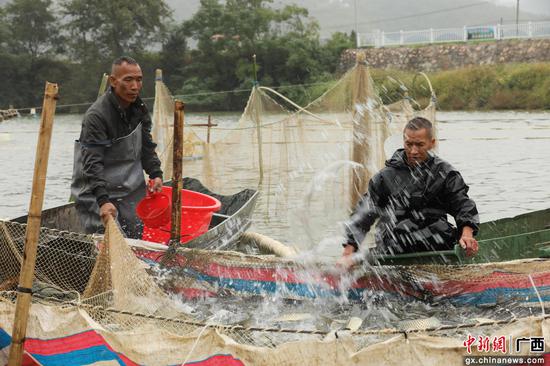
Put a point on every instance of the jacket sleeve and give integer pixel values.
(366, 212)
(94, 139)
(149, 158)
(459, 205)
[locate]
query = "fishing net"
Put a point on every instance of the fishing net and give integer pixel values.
(311, 164)
(96, 291)
(93, 295)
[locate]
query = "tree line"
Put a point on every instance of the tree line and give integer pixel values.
(72, 42)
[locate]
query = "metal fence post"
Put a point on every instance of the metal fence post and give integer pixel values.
(500, 32)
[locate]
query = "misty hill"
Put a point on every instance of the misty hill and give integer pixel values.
(395, 15)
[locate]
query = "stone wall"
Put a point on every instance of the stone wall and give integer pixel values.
(452, 56)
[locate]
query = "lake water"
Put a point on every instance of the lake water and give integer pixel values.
(503, 156)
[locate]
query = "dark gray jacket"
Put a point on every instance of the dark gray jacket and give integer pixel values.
(106, 121)
(412, 204)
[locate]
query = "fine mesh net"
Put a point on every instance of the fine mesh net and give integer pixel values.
(311, 164)
(314, 160)
(101, 285)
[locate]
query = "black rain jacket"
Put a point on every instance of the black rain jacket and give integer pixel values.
(412, 204)
(106, 121)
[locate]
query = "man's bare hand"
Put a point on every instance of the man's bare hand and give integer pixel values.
(106, 210)
(347, 260)
(155, 185)
(468, 242)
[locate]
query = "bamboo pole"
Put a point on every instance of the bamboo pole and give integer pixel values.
(209, 125)
(360, 130)
(157, 108)
(177, 183)
(103, 85)
(256, 105)
(24, 290)
(208, 129)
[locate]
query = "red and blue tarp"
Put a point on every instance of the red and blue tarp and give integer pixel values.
(89, 348)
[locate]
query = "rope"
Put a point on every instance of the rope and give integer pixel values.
(177, 96)
(194, 345)
(538, 295)
(300, 109)
(367, 332)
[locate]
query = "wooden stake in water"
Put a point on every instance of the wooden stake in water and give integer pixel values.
(177, 182)
(24, 290)
(103, 85)
(360, 150)
(208, 129)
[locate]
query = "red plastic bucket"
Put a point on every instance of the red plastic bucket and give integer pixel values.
(154, 209)
(196, 213)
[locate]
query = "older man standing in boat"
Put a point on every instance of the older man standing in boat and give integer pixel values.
(411, 196)
(114, 149)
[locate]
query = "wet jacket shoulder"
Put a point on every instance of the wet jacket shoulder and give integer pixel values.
(104, 122)
(422, 196)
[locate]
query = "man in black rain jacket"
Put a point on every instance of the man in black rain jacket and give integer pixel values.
(411, 196)
(114, 149)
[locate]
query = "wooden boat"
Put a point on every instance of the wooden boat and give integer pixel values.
(520, 237)
(66, 256)
(511, 266)
(227, 224)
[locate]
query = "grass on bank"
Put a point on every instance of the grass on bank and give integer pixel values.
(487, 87)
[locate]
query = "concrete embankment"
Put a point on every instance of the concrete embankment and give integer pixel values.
(452, 56)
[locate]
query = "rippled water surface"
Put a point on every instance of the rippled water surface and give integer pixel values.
(503, 156)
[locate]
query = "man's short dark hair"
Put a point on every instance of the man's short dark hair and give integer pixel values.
(419, 123)
(122, 59)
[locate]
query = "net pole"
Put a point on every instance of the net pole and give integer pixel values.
(208, 129)
(177, 182)
(32, 233)
(156, 107)
(256, 105)
(103, 85)
(360, 146)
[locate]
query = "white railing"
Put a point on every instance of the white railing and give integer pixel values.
(464, 34)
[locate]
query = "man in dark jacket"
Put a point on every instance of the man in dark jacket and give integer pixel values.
(114, 148)
(411, 196)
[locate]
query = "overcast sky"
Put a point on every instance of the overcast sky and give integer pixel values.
(534, 6)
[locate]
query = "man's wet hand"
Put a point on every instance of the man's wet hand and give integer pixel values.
(107, 209)
(347, 260)
(469, 244)
(155, 185)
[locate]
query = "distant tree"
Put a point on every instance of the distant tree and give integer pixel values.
(334, 47)
(105, 29)
(285, 40)
(31, 27)
(3, 29)
(30, 42)
(173, 56)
